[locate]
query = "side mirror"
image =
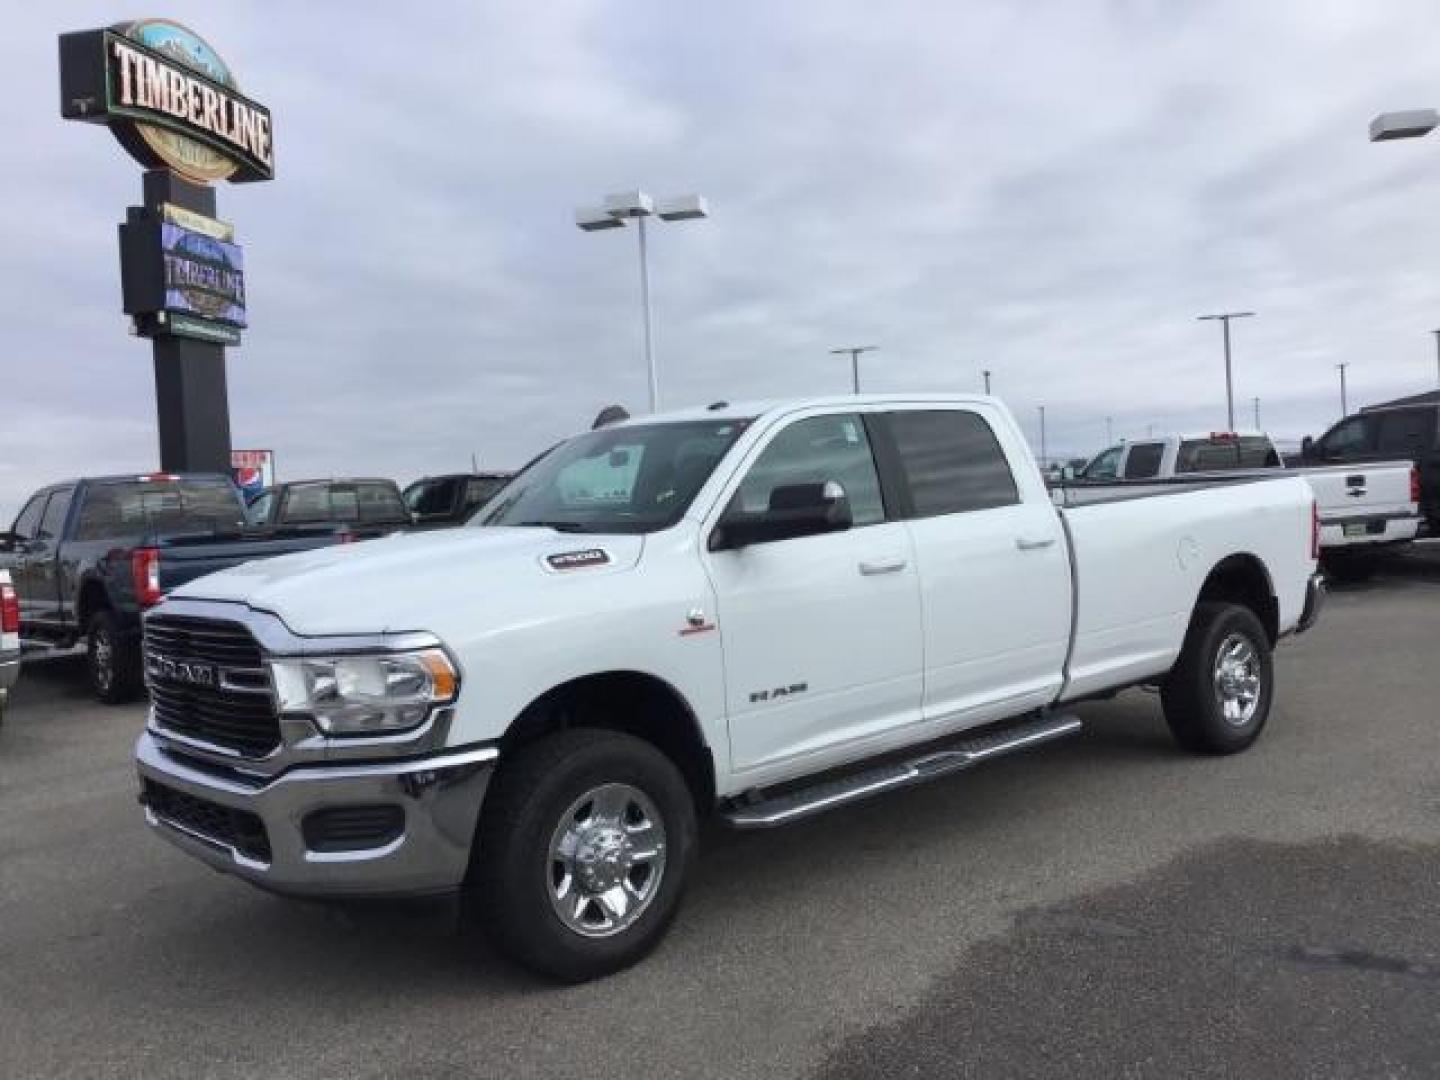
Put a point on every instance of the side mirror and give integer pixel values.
(1307, 447)
(795, 510)
(7, 541)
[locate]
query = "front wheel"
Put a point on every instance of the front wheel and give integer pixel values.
(584, 847)
(1218, 695)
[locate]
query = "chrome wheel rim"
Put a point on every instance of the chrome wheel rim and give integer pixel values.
(606, 860)
(102, 654)
(1237, 680)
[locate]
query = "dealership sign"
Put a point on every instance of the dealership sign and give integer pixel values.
(169, 99)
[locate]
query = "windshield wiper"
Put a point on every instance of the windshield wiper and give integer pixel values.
(558, 526)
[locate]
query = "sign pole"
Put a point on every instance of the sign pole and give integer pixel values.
(191, 397)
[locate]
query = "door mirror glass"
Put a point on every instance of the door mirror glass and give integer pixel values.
(795, 510)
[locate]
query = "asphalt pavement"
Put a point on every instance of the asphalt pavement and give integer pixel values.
(1107, 906)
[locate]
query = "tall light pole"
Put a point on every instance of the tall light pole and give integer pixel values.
(986, 373)
(1109, 430)
(1257, 413)
(1044, 457)
(1344, 401)
(1437, 356)
(636, 206)
(854, 352)
(1224, 318)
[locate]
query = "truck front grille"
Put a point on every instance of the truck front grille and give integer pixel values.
(238, 829)
(208, 682)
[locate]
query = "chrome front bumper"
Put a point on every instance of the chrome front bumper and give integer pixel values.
(440, 796)
(1315, 592)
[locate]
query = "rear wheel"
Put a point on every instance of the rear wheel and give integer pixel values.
(112, 660)
(584, 847)
(1217, 697)
(1352, 567)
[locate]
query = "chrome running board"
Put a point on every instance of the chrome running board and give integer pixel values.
(773, 811)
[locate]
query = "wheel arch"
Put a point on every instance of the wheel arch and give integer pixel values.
(1242, 578)
(634, 702)
(93, 597)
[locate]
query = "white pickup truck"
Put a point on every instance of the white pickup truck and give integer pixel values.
(1364, 507)
(756, 612)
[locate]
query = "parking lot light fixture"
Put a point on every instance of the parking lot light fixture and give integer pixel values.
(1405, 124)
(619, 210)
(1224, 318)
(854, 351)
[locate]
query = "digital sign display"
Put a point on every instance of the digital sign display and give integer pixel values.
(204, 276)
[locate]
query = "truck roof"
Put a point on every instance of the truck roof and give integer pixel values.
(753, 410)
(130, 477)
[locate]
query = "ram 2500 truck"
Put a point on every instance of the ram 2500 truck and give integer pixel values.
(754, 612)
(88, 556)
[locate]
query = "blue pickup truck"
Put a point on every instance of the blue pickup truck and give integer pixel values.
(87, 557)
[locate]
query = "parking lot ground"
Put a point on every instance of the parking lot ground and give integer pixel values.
(1104, 907)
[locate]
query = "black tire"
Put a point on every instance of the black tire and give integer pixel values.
(1192, 695)
(1351, 569)
(508, 891)
(112, 660)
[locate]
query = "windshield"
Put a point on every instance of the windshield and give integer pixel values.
(626, 480)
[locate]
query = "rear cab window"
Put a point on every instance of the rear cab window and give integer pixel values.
(121, 508)
(951, 461)
(1220, 452)
(1143, 461)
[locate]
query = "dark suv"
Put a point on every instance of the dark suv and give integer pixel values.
(451, 499)
(1408, 428)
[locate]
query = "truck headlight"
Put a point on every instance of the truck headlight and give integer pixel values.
(364, 695)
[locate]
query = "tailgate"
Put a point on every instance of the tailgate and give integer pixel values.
(1362, 491)
(185, 558)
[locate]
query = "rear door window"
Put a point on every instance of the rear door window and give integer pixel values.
(952, 461)
(380, 502)
(1143, 460)
(1405, 432)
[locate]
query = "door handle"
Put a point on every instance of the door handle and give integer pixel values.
(1026, 543)
(871, 567)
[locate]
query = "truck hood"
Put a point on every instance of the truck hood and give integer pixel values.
(413, 581)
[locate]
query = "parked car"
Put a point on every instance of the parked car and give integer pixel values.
(361, 509)
(757, 612)
(1408, 429)
(9, 639)
(451, 499)
(1364, 509)
(88, 556)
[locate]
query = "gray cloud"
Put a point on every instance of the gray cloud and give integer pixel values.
(1052, 191)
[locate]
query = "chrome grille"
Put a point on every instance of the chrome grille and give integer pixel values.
(208, 682)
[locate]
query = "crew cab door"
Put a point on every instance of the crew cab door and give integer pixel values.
(821, 633)
(42, 562)
(23, 549)
(994, 565)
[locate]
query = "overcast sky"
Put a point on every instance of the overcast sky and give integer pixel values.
(1051, 190)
